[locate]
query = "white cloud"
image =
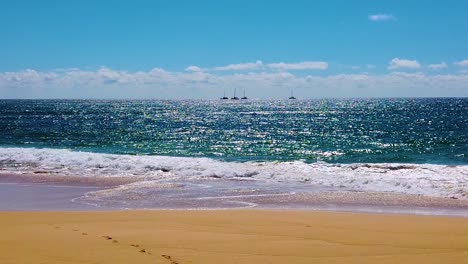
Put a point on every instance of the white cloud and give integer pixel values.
(355, 67)
(306, 65)
(437, 66)
(463, 63)
(397, 63)
(193, 68)
(241, 66)
(370, 66)
(381, 17)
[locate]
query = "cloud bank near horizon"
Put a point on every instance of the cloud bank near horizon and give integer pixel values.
(194, 83)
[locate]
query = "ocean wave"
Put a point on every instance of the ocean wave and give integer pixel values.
(420, 179)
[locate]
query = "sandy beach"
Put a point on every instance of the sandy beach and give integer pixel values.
(230, 236)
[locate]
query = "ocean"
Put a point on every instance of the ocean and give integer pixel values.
(397, 145)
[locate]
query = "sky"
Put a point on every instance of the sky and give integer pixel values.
(200, 49)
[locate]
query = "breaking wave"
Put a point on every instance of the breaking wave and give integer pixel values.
(420, 179)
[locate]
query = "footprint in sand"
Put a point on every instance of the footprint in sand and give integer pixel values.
(110, 238)
(133, 245)
(84, 234)
(170, 259)
(144, 251)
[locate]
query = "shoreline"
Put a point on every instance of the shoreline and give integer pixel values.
(83, 195)
(240, 236)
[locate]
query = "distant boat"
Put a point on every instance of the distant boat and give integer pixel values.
(245, 97)
(292, 95)
(235, 97)
(224, 96)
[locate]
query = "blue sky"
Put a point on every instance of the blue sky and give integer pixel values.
(191, 49)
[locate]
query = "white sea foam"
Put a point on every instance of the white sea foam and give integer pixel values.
(424, 179)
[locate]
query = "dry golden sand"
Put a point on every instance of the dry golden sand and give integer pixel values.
(242, 236)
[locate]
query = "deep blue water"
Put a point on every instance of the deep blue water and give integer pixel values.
(432, 130)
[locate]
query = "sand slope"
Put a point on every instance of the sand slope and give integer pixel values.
(248, 236)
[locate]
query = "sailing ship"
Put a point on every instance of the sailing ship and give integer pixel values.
(244, 97)
(235, 97)
(292, 95)
(224, 96)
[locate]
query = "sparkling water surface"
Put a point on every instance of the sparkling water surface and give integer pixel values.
(432, 130)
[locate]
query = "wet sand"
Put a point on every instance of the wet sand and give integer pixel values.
(42, 197)
(26, 192)
(230, 236)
